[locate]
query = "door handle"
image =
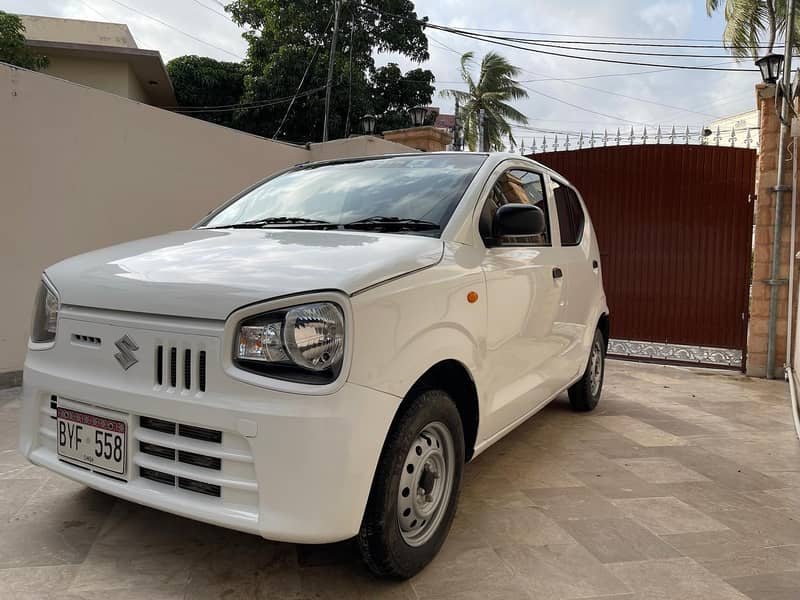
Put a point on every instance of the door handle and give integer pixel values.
(557, 273)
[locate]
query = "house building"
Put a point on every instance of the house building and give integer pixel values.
(740, 130)
(100, 55)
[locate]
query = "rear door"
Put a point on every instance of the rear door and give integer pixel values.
(580, 263)
(524, 301)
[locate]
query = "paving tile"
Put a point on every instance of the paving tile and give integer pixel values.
(618, 483)
(525, 525)
(473, 570)
(617, 540)
(708, 496)
(785, 499)
(672, 579)
(779, 586)
(572, 503)
(42, 581)
(660, 470)
(560, 571)
(667, 515)
(639, 431)
(764, 525)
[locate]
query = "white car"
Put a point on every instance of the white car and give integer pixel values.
(318, 358)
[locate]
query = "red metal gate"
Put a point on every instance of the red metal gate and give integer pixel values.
(675, 227)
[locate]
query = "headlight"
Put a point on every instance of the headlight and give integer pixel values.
(45, 315)
(300, 343)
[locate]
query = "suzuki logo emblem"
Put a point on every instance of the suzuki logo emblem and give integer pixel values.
(125, 357)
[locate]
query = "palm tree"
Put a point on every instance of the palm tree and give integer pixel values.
(747, 22)
(495, 87)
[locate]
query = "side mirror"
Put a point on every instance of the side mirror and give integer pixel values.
(518, 219)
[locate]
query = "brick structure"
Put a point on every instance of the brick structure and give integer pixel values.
(766, 178)
(427, 139)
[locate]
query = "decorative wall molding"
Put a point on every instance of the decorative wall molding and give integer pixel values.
(676, 352)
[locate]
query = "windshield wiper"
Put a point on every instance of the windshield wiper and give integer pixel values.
(262, 223)
(392, 223)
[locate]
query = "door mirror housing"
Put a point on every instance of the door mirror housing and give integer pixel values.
(518, 220)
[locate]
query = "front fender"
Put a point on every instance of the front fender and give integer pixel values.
(404, 327)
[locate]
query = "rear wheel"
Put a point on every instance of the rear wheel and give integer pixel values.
(585, 393)
(416, 487)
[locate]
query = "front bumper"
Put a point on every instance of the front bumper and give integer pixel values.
(287, 467)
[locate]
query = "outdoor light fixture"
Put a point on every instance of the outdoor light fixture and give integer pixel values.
(418, 115)
(770, 66)
(368, 124)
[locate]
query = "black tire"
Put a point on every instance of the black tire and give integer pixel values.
(383, 546)
(582, 396)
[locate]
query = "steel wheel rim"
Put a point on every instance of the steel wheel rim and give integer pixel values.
(426, 483)
(596, 368)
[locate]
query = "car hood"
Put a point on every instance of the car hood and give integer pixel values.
(209, 273)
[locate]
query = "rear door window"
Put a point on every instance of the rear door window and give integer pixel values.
(571, 218)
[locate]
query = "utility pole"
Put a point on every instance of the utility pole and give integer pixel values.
(785, 116)
(336, 7)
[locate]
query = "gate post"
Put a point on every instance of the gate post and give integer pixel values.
(766, 174)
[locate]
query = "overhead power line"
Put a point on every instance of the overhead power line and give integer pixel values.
(181, 31)
(213, 10)
(241, 106)
(500, 42)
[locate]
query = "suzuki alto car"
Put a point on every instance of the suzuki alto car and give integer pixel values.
(318, 358)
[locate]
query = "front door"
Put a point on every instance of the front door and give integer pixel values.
(524, 299)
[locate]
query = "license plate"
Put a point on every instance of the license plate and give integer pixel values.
(91, 439)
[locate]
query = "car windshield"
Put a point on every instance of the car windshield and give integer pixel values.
(396, 194)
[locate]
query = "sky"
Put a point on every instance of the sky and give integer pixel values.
(634, 96)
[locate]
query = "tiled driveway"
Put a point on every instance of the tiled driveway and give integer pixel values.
(683, 484)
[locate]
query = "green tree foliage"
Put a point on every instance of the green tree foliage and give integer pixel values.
(13, 49)
(492, 92)
(393, 93)
(203, 81)
(749, 22)
(285, 37)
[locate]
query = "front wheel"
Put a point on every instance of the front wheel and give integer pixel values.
(416, 487)
(585, 393)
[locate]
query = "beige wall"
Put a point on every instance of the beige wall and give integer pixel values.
(81, 169)
(356, 146)
(110, 76)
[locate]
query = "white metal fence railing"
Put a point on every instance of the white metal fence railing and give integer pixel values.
(559, 141)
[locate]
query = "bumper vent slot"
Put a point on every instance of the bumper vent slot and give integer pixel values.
(200, 487)
(199, 460)
(200, 433)
(157, 425)
(202, 370)
(160, 365)
(158, 476)
(187, 369)
(173, 367)
(156, 450)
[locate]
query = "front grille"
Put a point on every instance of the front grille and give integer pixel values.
(199, 460)
(156, 450)
(174, 367)
(200, 487)
(158, 476)
(200, 433)
(157, 424)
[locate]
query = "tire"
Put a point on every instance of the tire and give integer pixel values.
(402, 532)
(585, 393)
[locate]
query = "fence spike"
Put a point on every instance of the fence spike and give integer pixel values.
(580, 141)
(566, 143)
(605, 138)
(672, 135)
(718, 136)
(555, 143)
(748, 139)
(591, 139)
(617, 139)
(732, 139)
(544, 143)
(644, 135)
(686, 134)
(632, 135)
(658, 135)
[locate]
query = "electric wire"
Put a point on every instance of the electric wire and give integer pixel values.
(243, 106)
